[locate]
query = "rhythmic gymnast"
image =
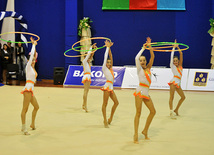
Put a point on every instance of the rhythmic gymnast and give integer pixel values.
(108, 87)
(142, 91)
(176, 66)
(86, 80)
(27, 91)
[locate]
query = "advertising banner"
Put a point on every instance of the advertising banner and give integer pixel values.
(126, 77)
(75, 73)
(201, 79)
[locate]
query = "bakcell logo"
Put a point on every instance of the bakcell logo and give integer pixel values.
(98, 74)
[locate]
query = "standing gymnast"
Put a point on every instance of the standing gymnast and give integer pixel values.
(176, 66)
(86, 80)
(108, 87)
(142, 91)
(29, 97)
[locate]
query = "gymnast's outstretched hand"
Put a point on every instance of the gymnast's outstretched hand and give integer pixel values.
(108, 43)
(176, 45)
(33, 41)
(94, 46)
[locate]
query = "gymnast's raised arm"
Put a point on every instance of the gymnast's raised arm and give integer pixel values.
(172, 54)
(151, 61)
(108, 45)
(181, 57)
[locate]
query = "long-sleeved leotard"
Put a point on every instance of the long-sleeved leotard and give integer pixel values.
(177, 72)
(87, 68)
(144, 77)
(109, 74)
(31, 74)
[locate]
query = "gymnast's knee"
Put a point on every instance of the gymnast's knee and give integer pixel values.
(116, 103)
(104, 104)
(171, 98)
(183, 98)
(153, 112)
(24, 110)
(36, 108)
(138, 113)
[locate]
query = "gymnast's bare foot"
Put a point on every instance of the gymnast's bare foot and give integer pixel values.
(84, 108)
(109, 121)
(33, 127)
(105, 124)
(146, 136)
(136, 139)
(176, 112)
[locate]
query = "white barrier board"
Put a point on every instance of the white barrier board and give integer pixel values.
(160, 78)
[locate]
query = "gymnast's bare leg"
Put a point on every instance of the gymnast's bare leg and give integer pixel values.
(26, 102)
(152, 113)
(116, 103)
(106, 95)
(181, 93)
(34, 112)
(85, 95)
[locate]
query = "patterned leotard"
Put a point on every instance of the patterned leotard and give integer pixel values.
(31, 74)
(109, 74)
(177, 72)
(87, 68)
(144, 77)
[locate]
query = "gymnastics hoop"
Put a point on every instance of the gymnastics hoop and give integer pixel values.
(19, 18)
(74, 48)
(71, 56)
(94, 38)
(38, 38)
(167, 43)
(86, 50)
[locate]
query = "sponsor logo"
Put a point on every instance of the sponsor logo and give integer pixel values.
(75, 74)
(155, 79)
(97, 74)
(200, 79)
(155, 76)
